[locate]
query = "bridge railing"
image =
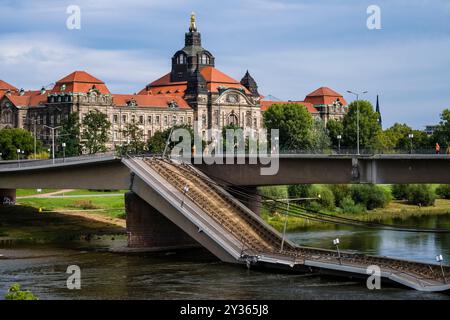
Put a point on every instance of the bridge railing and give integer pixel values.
(26, 163)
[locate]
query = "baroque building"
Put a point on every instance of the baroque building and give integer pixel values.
(193, 91)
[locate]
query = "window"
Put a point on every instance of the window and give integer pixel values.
(157, 120)
(149, 133)
(133, 118)
(141, 119)
(255, 123)
(124, 118)
(189, 120)
(115, 118)
(166, 120)
(149, 120)
(204, 120)
(52, 119)
(181, 59)
(182, 120)
(204, 59)
(58, 119)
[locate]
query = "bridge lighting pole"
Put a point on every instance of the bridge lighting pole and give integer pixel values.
(53, 140)
(64, 151)
(339, 137)
(336, 243)
(284, 227)
(18, 157)
(410, 136)
(357, 117)
(439, 259)
(185, 190)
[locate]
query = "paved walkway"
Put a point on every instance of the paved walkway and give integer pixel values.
(46, 195)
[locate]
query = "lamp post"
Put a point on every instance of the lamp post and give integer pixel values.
(53, 140)
(357, 117)
(410, 136)
(18, 157)
(64, 151)
(339, 137)
(439, 259)
(336, 243)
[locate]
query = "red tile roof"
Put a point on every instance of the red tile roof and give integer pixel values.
(27, 100)
(80, 82)
(214, 79)
(267, 104)
(5, 86)
(149, 101)
(324, 95)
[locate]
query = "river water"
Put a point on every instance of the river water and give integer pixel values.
(195, 274)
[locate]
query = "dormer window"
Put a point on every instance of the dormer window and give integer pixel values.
(181, 59)
(204, 59)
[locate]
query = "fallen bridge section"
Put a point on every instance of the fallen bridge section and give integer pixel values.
(235, 234)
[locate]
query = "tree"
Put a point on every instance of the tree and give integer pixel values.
(320, 139)
(334, 128)
(135, 139)
(442, 133)
(95, 131)
(369, 128)
(295, 124)
(157, 142)
(397, 138)
(70, 135)
(13, 139)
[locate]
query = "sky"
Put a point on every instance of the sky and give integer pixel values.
(290, 47)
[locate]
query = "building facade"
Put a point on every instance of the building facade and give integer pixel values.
(193, 91)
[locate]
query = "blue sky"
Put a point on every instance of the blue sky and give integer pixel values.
(290, 47)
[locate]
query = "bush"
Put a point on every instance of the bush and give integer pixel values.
(274, 192)
(340, 191)
(299, 190)
(14, 293)
(327, 200)
(370, 196)
(400, 191)
(421, 194)
(348, 205)
(443, 191)
(85, 204)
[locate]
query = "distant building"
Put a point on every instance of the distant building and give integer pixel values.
(429, 130)
(193, 90)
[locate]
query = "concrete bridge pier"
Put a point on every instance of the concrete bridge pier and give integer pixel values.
(251, 199)
(149, 229)
(7, 196)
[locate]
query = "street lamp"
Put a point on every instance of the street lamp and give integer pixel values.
(357, 116)
(339, 137)
(18, 157)
(336, 243)
(64, 151)
(410, 136)
(53, 140)
(439, 259)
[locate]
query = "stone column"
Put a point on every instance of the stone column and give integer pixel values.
(7, 196)
(147, 228)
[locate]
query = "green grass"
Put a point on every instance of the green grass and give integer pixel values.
(26, 224)
(30, 192)
(112, 206)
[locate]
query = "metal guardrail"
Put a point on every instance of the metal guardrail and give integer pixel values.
(28, 163)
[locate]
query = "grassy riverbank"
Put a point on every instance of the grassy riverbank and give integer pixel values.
(25, 223)
(395, 210)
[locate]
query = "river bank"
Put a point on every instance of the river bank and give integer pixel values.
(395, 211)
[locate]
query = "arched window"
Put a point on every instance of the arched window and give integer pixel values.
(233, 120)
(181, 59)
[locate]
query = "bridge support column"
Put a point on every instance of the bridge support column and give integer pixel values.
(7, 196)
(149, 229)
(251, 199)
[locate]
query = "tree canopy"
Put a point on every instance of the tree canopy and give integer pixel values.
(295, 124)
(442, 133)
(134, 136)
(70, 135)
(13, 139)
(95, 131)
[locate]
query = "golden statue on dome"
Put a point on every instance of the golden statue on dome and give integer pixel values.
(193, 26)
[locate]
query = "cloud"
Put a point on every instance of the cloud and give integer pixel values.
(30, 61)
